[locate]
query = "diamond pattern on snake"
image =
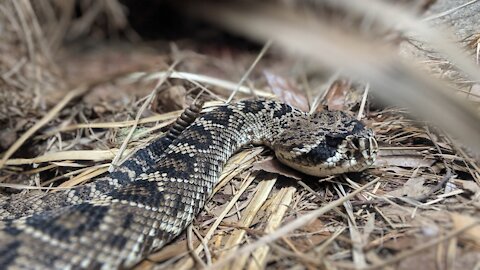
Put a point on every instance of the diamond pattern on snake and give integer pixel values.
(154, 195)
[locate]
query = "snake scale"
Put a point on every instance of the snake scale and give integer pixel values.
(151, 198)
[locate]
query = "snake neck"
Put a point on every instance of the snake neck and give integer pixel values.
(257, 122)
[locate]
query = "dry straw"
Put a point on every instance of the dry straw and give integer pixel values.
(393, 79)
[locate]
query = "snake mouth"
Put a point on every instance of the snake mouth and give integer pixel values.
(352, 154)
(356, 149)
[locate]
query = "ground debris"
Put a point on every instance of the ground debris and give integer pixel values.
(424, 188)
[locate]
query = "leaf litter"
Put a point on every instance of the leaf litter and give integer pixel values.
(261, 215)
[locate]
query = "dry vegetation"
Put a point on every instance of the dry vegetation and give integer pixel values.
(79, 91)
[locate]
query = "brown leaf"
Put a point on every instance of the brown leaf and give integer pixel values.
(272, 165)
(287, 91)
(403, 161)
(412, 188)
(422, 260)
(402, 158)
(315, 233)
(467, 260)
(399, 243)
(336, 97)
(170, 99)
(460, 221)
(467, 185)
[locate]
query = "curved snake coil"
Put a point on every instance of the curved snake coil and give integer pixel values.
(154, 195)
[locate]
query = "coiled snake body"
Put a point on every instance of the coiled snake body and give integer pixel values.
(153, 196)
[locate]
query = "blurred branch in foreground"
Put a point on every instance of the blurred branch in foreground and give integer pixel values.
(394, 80)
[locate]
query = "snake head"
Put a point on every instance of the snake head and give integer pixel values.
(327, 143)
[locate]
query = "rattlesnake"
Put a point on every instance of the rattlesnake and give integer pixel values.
(154, 195)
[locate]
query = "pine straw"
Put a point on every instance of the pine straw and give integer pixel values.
(389, 217)
(369, 227)
(256, 219)
(27, 72)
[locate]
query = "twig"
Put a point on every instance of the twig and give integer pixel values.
(400, 200)
(91, 155)
(421, 247)
(447, 176)
(448, 12)
(364, 101)
(311, 261)
(191, 249)
(49, 116)
(139, 114)
(423, 197)
(478, 54)
(197, 78)
(245, 76)
(297, 223)
(323, 93)
(208, 256)
(357, 243)
(75, 93)
(318, 196)
(249, 179)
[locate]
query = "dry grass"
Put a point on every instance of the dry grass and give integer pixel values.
(419, 205)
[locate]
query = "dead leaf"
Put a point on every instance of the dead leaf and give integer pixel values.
(412, 188)
(467, 260)
(399, 243)
(170, 99)
(407, 162)
(287, 91)
(315, 233)
(460, 221)
(272, 165)
(425, 259)
(467, 185)
(336, 97)
(402, 158)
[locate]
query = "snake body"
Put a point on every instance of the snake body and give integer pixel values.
(153, 196)
(142, 161)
